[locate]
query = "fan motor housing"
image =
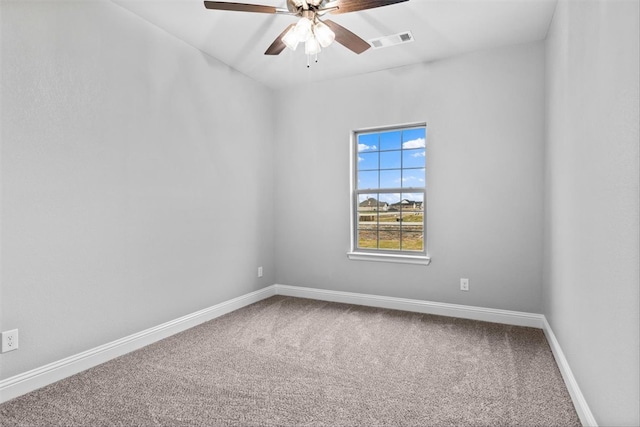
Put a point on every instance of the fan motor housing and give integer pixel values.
(296, 6)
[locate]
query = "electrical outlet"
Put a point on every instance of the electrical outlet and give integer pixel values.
(260, 271)
(464, 284)
(9, 340)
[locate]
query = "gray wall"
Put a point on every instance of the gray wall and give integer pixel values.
(591, 220)
(485, 139)
(119, 144)
(133, 189)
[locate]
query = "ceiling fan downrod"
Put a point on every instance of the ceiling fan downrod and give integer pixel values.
(309, 29)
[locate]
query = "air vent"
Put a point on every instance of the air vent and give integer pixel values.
(386, 41)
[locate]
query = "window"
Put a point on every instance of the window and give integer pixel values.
(389, 194)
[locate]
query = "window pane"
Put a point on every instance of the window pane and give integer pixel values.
(413, 177)
(368, 161)
(390, 178)
(368, 221)
(416, 197)
(412, 237)
(368, 179)
(390, 140)
(370, 203)
(389, 235)
(389, 198)
(414, 138)
(412, 212)
(390, 160)
(368, 235)
(413, 158)
(367, 142)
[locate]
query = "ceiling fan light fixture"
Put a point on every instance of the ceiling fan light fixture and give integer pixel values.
(291, 39)
(303, 29)
(309, 28)
(312, 47)
(323, 34)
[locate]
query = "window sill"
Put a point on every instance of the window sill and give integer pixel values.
(400, 259)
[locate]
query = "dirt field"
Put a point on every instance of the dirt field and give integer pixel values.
(392, 236)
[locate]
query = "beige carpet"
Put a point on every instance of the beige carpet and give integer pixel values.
(296, 362)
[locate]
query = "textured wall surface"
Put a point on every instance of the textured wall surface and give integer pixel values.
(141, 181)
(134, 190)
(591, 220)
(485, 139)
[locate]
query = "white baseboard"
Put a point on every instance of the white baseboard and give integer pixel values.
(48, 374)
(461, 311)
(516, 318)
(579, 402)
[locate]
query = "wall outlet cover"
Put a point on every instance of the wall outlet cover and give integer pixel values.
(9, 340)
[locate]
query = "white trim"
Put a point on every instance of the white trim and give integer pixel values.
(439, 308)
(390, 127)
(580, 403)
(48, 374)
(52, 372)
(516, 318)
(382, 257)
(354, 253)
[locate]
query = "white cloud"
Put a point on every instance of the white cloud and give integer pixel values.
(389, 198)
(418, 154)
(365, 147)
(360, 159)
(415, 143)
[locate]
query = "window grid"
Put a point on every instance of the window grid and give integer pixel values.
(364, 194)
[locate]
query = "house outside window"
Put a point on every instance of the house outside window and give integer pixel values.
(388, 188)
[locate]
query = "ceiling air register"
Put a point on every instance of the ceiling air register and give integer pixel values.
(310, 29)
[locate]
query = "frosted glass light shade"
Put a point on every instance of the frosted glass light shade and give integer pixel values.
(290, 39)
(303, 29)
(324, 34)
(311, 46)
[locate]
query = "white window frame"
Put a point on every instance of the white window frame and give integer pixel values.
(380, 255)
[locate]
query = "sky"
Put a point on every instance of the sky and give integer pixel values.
(393, 159)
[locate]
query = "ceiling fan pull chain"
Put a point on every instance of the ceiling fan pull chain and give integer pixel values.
(308, 60)
(310, 29)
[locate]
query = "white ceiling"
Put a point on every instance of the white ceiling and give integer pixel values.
(441, 28)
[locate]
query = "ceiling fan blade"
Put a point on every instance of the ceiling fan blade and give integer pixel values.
(278, 46)
(347, 38)
(346, 6)
(243, 7)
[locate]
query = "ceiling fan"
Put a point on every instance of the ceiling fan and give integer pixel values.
(309, 29)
